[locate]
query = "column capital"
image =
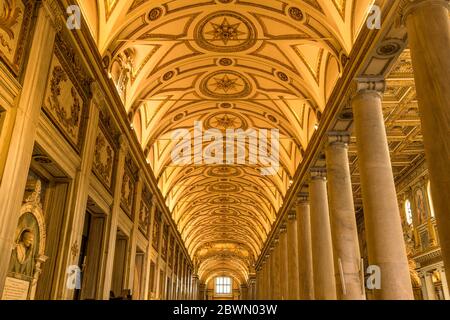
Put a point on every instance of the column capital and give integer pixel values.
(283, 228)
(302, 198)
(292, 215)
(54, 13)
(123, 144)
(407, 7)
(364, 85)
(97, 94)
(318, 173)
(338, 138)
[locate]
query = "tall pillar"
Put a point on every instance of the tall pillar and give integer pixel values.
(444, 283)
(259, 277)
(347, 258)
(429, 39)
(284, 263)
(322, 249)
(293, 268)
(429, 285)
(133, 239)
(114, 220)
(384, 234)
(148, 254)
(12, 184)
(275, 271)
(305, 260)
(267, 288)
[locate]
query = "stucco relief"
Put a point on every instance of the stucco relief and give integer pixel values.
(127, 192)
(15, 18)
(103, 158)
(63, 103)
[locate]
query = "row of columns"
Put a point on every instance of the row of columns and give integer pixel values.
(326, 227)
(317, 256)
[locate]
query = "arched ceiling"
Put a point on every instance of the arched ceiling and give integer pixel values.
(231, 64)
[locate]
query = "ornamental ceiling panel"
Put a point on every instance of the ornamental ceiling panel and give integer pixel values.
(220, 65)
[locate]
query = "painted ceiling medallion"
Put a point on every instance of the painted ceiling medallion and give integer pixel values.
(224, 200)
(226, 120)
(224, 187)
(296, 13)
(226, 62)
(226, 105)
(225, 31)
(282, 76)
(225, 84)
(224, 171)
(168, 75)
(155, 14)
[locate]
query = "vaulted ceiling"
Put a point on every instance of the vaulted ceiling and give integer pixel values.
(231, 64)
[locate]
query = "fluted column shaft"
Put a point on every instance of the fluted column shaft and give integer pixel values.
(293, 268)
(347, 259)
(428, 27)
(384, 235)
(305, 264)
(322, 249)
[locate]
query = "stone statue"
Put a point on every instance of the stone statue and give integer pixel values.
(22, 260)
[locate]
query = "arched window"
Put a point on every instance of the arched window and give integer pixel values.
(408, 212)
(223, 285)
(430, 199)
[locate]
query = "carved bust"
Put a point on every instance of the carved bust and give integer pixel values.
(22, 257)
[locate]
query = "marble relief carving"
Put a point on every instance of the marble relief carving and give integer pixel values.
(103, 159)
(165, 239)
(127, 192)
(156, 230)
(145, 212)
(144, 218)
(171, 248)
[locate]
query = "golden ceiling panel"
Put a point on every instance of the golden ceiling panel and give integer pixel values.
(230, 65)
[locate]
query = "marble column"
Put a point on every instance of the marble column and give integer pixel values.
(347, 258)
(429, 285)
(322, 249)
(259, 277)
(275, 271)
(305, 264)
(134, 234)
(284, 263)
(293, 268)
(428, 28)
(384, 234)
(444, 283)
(148, 254)
(14, 179)
(267, 289)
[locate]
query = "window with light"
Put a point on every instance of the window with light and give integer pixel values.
(408, 212)
(223, 285)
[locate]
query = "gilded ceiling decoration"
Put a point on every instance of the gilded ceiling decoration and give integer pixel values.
(227, 64)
